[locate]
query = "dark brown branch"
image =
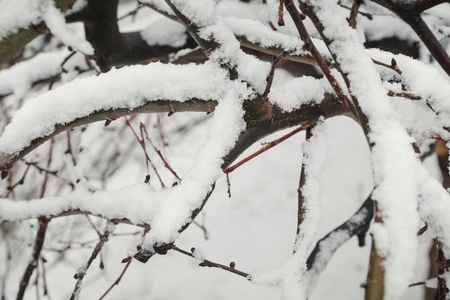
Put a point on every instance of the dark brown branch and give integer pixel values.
(301, 209)
(271, 75)
(357, 225)
(305, 116)
(443, 267)
(409, 12)
(40, 237)
(355, 107)
(309, 45)
(423, 5)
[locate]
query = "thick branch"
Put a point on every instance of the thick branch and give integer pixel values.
(308, 10)
(423, 5)
(15, 43)
(6, 161)
(409, 12)
(193, 29)
(357, 225)
(304, 116)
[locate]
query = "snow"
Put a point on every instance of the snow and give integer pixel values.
(393, 160)
(56, 23)
(256, 227)
(15, 14)
(174, 33)
(290, 277)
(139, 84)
(22, 13)
(299, 91)
(21, 76)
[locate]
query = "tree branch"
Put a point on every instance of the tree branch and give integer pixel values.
(193, 105)
(357, 225)
(40, 237)
(15, 43)
(409, 12)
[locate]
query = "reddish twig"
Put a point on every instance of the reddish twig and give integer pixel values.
(280, 14)
(117, 280)
(263, 149)
(147, 158)
(159, 152)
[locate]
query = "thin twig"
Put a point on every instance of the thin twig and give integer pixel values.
(69, 148)
(323, 64)
(210, 264)
(392, 66)
(82, 272)
(20, 182)
(269, 78)
(263, 149)
(367, 15)
(117, 280)
(44, 278)
(280, 14)
(49, 161)
(407, 95)
(39, 242)
(147, 158)
(142, 126)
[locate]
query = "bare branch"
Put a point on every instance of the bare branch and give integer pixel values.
(210, 264)
(40, 237)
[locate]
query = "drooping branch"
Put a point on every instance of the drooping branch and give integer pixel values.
(357, 225)
(193, 105)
